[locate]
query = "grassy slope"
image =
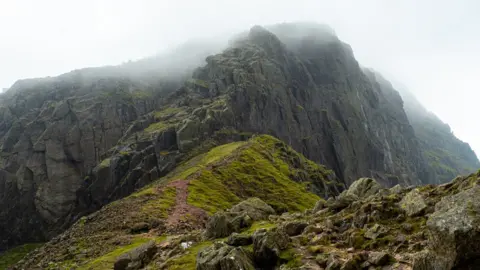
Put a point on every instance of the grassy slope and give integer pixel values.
(14, 255)
(263, 167)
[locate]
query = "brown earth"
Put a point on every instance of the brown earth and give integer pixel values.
(184, 216)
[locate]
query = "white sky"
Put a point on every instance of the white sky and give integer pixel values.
(431, 46)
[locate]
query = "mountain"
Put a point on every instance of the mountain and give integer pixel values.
(446, 154)
(166, 225)
(75, 143)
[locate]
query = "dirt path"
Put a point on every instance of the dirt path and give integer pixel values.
(184, 216)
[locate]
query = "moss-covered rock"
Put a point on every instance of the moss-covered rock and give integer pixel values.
(413, 203)
(223, 257)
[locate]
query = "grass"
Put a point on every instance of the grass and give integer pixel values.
(259, 225)
(159, 126)
(106, 261)
(168, 112)
(159, 207)
(14, 255)
(216, 154)
(259, 170)
(188, 260)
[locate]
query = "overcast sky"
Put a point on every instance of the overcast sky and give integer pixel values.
(431, 46)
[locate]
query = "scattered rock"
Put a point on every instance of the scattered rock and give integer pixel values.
(379, 258)
(413, 203)
(236, 239)
(294, 228)
(220, 256)
(376, 231)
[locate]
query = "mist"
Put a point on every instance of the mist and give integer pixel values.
(428, 47)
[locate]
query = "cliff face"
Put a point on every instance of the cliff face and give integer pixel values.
(446, 154)
(72, 144)
(312, 94)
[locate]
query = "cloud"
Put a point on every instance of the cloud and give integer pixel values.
(430, 46)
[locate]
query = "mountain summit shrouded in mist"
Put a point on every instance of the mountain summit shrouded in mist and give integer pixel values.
(144, 158)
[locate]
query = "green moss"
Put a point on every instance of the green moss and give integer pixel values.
(257, 225)
(167, 112)
(290, 258)
(216, 154)
(105, 163)
(144, 192)
(198, 82)
(158, 207)
(188, 260)
(14, 255)
(141, 94)
(258, 170)
(106, 261)
(156, 127)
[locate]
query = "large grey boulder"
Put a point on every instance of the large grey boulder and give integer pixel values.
(220, 256)
(137, 258)
(362, 188)
(454, 230)
(413, 203)
(219, 225)
(255, 208)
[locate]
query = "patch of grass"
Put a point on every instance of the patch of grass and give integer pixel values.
(155, 127)
(290, 258)
(106, 261)
(261, 169)
(141, 94)
(216, 154)
(168, 112)
(14, 255)
(189, 259)
(158, 207)
(259, 225)
(144, 192)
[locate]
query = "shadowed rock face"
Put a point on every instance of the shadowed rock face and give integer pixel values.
(73, 143)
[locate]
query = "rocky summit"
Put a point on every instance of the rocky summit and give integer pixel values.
(210, 159)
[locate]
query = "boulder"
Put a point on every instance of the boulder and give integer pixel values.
(236, 239)
(254, 208)
(454, 230)
(413, 203)
(363, 188)
(267, 246)
(379, 258)
(220, 256)
(219, 225)
(241, 221)
(294, 228)
(397, 189)
(137, 258)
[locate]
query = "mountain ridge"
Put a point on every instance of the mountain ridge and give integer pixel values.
(74, 143)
